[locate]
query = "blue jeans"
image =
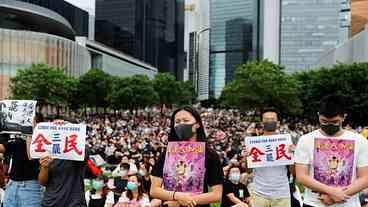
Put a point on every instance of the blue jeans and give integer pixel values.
(23, 194)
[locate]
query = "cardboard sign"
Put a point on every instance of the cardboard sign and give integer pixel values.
(17, 115)
(333, 162)
(268, 151)
(59, 141)
(184, 167)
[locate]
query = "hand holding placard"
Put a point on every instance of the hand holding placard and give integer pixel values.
(66, 141)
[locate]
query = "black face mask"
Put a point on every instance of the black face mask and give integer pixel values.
(270, 126)
(330, 129)
(184, 131)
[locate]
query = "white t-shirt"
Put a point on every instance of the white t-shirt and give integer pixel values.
(109, 197)
(143, 202)
(333, 161)
(271, 182)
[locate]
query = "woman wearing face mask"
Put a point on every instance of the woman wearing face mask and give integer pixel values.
(186, 125)
(134, 196)
(234, 193)
(98, 196)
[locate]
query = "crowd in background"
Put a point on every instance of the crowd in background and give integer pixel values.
(131, 143)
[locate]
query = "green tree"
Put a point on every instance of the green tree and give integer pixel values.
(133, 93)
(94, 88)
(46, 84)
(260, 84)
(167, 89)
(186, 93)
(121, 94)
(350, 81)
(73, 96)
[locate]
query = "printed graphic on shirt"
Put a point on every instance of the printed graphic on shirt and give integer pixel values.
(184, 167)
(334, 161)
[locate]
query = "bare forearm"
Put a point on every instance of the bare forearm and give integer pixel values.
(29, 140)
(2, 148)
(43, 176)
(162, 194)
(312, 184)
(235, 200)
(207, 198)
(357, 186)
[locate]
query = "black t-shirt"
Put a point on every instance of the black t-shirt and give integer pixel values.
(97, 202)
(240, 191)
(120, 185)
(65, 187)
(22, 169)
(214, 173)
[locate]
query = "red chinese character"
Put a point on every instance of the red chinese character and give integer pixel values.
(281, 152)
(256, 154)
(40, 141)
(71, 144)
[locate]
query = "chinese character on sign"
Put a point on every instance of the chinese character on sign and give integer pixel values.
(71, 144)
(13, 106)
(56, 143)
(256, 154)
(269, 155)
(40, 141)
(281, 152)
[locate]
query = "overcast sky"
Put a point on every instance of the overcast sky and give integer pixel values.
(88, 5)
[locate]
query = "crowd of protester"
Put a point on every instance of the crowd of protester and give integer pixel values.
(131, 144)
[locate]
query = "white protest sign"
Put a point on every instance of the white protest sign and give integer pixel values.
(18, 115)
(65, 141)
(268, 151)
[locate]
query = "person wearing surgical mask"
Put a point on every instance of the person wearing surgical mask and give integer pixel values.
(186, 125)
(333, 140)
(235, 193)
(271, 184)
(98, 196)
(134, 196)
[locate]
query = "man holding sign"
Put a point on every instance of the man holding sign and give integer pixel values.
(332, 163)
(269, 155)
(61, 147)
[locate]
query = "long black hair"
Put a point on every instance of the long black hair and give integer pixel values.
(201, 135)
(129, 193)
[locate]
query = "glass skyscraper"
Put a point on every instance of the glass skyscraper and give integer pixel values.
(234, 39)
(151, 31)
(308, 28)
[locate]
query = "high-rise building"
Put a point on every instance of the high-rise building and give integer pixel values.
(293, 33)
(54, 32)
(308, 28)
(234, 39)
(197, 45)
(355, 49)
(151, 31)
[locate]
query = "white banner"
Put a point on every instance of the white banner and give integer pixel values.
(65, 141)
(267, 151)
(18, 115)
